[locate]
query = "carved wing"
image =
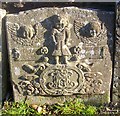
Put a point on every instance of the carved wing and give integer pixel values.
(12, 28)
(13, 32)
(39, 31)
(77, 26)
(36, 31)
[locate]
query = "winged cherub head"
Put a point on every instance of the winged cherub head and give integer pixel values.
(26, 32)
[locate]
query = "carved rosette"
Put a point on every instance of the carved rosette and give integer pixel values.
(60, 80)
(93, 83)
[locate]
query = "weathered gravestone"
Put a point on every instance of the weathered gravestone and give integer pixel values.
(116, 79)
(2, 79)
(60, 53)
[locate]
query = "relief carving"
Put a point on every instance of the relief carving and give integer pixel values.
(61, 78)
(30, 86)
(93, 83)
(26, 35)
(28, 68)
(91, 29)
(89, 52)
(15, 54)
(26, 32)
(44, 50)
(57, 53)
(89, 32)
(61, 36)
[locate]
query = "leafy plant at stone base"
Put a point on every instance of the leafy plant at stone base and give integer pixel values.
(16, 108)
(71, 107)
(74, 107)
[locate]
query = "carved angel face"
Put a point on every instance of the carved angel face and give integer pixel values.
(92, 29)
(26, 32)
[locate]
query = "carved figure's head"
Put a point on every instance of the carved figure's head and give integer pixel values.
(61, 21)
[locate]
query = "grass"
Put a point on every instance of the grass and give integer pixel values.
(75, 107)
(72, 107)
(18, 108)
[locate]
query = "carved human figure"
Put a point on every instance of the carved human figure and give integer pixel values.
(61, 37)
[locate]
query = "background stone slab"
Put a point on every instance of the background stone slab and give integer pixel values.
(95, 53)
(116, 79)
(2, 14)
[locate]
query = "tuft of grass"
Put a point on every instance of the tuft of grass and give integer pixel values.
(90, 111)
(75, 107)
(71, 107)
(19, 109)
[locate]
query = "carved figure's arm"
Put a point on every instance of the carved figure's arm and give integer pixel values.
(68, 33)
(53, 35)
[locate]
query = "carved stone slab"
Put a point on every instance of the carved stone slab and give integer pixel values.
(60, 53)
(2, 80)
(116, 80)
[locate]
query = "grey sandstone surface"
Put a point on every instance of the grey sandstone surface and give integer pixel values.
(60, 53)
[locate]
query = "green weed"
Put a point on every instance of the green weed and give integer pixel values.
(75, 107)
(72, 107)
(19, 109)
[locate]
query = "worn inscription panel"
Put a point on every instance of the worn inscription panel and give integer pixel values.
(116, 80)
(59, 53)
